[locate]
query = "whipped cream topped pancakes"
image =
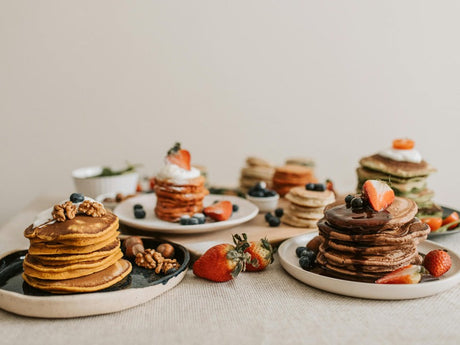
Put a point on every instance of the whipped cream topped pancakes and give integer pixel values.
(74, 247)
(179, 187)
(404, 169)
(290, 176)
(360, 243)
(256, 170)
(306, 205)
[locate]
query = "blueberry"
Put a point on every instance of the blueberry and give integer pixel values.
(269, 193)
(274, 222)
(306, 262)
(268, 216)
(76, 197)
(139, 213)
(279, 212)
(348, 199)
(357, 203)
(193, 221)
(138, 207)
(300, 250)
(235, 208)
(310, 186)
(184, 220)
(215, 202)
(257, 194)
(201, 218)
(310, 253)
(260, 185)
(320, 187)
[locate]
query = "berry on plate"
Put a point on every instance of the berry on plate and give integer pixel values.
(411, 274)
(437, 262)
(219, 211)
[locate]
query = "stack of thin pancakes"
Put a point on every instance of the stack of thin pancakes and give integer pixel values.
(366, 245)
(78, 255)
(178, 198)
(255, 171)
(290, 176)
(407, 179)
(306, 207)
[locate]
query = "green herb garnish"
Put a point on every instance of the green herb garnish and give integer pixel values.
(106, 171)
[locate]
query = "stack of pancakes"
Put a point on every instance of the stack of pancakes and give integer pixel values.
(306, 206)
(255, 171)
(366, 245)
(290, 176)
(407, 179)
(78, 255)
(302, 161)
(178, 198)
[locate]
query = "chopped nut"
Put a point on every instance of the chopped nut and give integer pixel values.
(152, 259)
(93, 209)
(65, 211)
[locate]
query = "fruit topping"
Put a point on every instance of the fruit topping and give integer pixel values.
(193, 221)
(259, 190)
(437, 262)
(235, 208)
(261, 255)
(348, 200)
(219, 211)
(184, 220)
(179, 157)
(320, 187)
(137, 206)
(433, 222)
(279, 212)
(76, 198)
(453, 217)
(411, 274)
(201, 217)
(139, 213)
(403, 144)
(301, 251)
(310, 186)
(357, 203)
(308, 260)
(378, 194)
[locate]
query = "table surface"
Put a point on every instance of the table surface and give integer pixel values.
(268, 307)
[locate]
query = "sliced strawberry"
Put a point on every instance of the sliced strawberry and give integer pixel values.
(451, 218)
(379, 194)
(433, 222)
(437, 262)
(219, 211)
(179, 157)
(403, 144)
(411, 274)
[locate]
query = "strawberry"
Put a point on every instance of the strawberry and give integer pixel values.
(179, 157)
(379, 194)
(411, 274)
(223, 262)
(437, 262)
(403, 144)
(219, 211)
(261, 255)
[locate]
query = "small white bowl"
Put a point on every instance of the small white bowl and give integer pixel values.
(91, 186)
(265, 204)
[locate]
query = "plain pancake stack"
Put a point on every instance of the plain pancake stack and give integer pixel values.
(256, 170)
(302, 161)
(81, 254)
(290, 176)
(366, 245)
(178, 198)
(407, 179)
(306, 206)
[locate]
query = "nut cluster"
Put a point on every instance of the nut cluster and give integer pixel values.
(152, 259)
(93, 209)
(64, 211)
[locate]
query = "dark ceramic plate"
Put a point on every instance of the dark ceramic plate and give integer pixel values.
(445, 212)
(138, 287)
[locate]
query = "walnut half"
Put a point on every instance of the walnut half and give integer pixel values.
(91, 208)
(152, 259)
(65, 211)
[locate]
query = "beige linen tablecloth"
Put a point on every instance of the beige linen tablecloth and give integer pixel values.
(269, 307)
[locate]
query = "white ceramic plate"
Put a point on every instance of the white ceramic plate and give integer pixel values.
(290, 263)
(140, 286)
(125, 213)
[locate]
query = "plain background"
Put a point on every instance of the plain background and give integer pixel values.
(104, 82)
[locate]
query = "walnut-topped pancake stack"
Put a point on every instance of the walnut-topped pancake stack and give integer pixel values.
(74, 247)
(179, 187)
(362, 241)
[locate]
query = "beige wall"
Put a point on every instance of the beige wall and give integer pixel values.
(102, 82)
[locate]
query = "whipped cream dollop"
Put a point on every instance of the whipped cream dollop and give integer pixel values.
(46, 216)
(411, 155)
(176, 173)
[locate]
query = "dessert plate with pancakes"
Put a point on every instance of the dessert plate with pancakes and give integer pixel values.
(290, 262)
(137, 287)
(125, 213)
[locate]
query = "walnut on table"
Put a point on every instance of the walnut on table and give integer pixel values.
(152, 259)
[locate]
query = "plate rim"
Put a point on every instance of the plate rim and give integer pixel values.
(407, 291)
(177, 229)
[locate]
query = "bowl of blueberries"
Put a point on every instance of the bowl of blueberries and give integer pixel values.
(265, 199)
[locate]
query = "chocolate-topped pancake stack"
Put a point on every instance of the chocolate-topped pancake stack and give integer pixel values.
(74, 247)
(403, 168)
(364, 238)
(179, 187)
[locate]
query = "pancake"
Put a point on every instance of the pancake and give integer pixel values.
(396, 168)
(77, 242)
(93, 282)
(33, 268)
(313, 213)
(302, 161)
(298, 222)
(303, 197)
(396, 183)
(257, 172)
(78, 228)
(259, 162)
